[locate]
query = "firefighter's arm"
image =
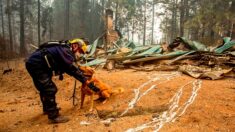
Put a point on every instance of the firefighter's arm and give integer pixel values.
(76, 73)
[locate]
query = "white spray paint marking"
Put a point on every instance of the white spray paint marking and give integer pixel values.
(107, 121)
(138, 96)
(84, 123)
(174, 110)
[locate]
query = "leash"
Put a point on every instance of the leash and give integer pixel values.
(74, 97)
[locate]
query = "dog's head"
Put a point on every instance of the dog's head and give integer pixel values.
(87, 71)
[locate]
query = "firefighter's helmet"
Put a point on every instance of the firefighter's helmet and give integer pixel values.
(81, 43)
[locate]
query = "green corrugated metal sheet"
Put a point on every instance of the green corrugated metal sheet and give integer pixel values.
(95, 62)
(226, 46)
(226, 39)
(150, 51)
(92, 47)
(194, 44)
(138, 50)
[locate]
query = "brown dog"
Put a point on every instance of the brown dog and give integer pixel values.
(104, 93)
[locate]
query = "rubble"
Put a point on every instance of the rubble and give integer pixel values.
(190, 57)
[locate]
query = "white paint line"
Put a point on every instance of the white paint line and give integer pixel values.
(138, 96)
(174, 111)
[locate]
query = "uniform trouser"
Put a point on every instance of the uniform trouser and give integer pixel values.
(42, 78)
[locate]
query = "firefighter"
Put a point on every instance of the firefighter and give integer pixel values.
(56, 58)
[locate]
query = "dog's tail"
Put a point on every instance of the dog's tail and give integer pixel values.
(118, 90)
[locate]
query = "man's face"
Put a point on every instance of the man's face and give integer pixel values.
(75, 48)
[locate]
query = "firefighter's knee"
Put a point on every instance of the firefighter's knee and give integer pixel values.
(49, 88)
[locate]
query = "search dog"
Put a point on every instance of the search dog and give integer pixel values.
(104, 93)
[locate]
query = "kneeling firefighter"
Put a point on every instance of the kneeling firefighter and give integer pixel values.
(55, 57)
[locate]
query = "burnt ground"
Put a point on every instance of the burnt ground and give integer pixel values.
(167, 101)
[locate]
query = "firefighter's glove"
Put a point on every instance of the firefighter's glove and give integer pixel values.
(80, 76)
(93, 87)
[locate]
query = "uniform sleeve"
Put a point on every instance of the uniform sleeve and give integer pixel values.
(76, 73)
(67, 59)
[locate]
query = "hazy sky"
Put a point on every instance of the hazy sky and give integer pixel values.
(50, 2)
(157, 32)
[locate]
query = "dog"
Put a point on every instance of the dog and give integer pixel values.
(104, 93)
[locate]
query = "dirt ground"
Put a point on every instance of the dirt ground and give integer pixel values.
(161, 101)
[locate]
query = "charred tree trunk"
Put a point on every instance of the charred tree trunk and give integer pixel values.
(66, 20)
(232, 31)
(128, 32)
(50, 25)
(13, 31)
(182, 17)
(133, 29)
(9, 25)
(153, 7)
(22, 29)
(186, 14)
(92, 20)
(39, 20)
(145, 19)
(2, 17)
(232, 9)
(174, 20)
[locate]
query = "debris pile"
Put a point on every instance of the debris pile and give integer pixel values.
(190, 57)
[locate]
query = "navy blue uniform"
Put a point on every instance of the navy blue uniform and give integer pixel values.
(60, 59)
